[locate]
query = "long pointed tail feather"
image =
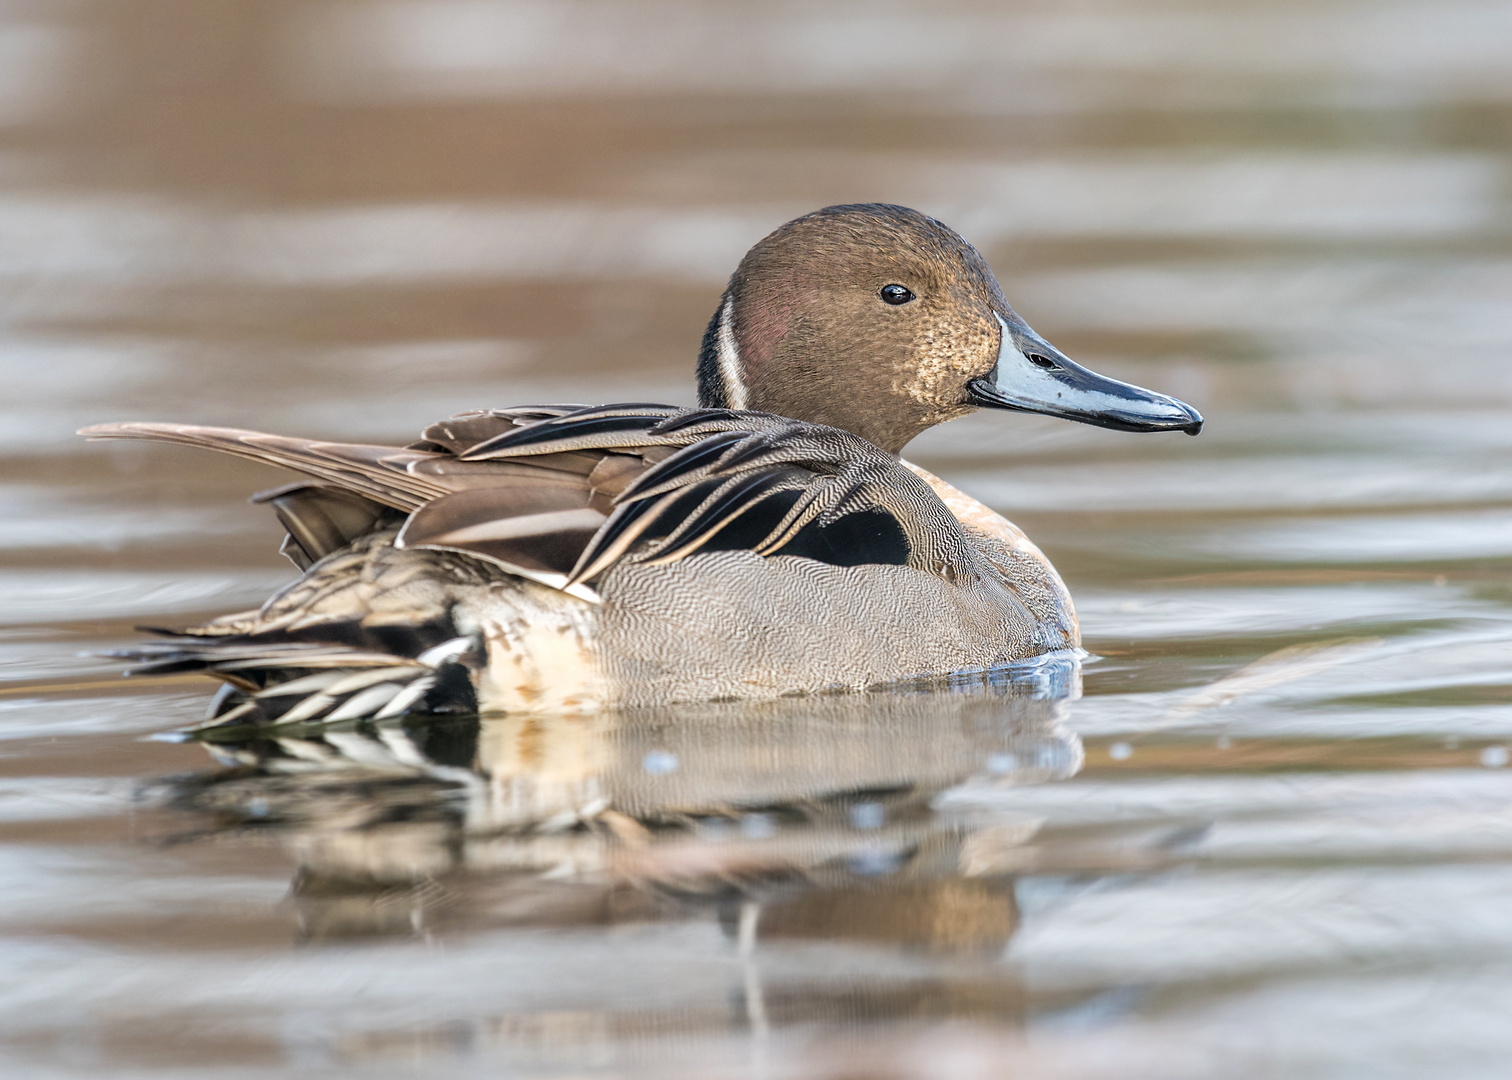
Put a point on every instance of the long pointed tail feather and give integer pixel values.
(379, 472)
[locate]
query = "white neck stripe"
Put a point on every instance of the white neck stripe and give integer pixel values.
(729, 357)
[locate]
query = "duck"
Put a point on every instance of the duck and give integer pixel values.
(770, 541)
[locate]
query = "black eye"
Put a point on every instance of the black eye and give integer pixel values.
(895, 295)
(1041, 361)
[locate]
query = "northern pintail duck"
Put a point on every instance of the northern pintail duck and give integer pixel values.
(770, 541)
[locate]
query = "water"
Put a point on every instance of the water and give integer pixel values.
(1272, 838)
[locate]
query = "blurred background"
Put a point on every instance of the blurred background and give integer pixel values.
(350, 218)
(353, 215)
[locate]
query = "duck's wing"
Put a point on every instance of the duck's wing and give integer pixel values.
(722, 479)
(533, 515)
(561, 494)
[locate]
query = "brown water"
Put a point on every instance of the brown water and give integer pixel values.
(1273, 838)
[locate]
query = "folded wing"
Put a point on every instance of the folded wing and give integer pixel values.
(560, 494)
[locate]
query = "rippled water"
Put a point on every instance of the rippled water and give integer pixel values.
(1272, 838)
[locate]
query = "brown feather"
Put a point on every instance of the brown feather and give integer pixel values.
(321, 519)
(377, 472)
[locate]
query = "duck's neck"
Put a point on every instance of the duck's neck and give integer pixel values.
(721, 377)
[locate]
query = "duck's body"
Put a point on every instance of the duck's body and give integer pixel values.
(565, 557)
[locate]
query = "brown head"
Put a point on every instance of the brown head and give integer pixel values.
(884, 322)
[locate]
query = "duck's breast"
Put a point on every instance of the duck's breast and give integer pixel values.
(1024, 567)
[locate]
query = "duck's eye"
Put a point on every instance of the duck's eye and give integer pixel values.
(895, 295)
(1040, 361)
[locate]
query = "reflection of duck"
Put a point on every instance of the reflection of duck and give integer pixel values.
(807, 817)
(573, 556)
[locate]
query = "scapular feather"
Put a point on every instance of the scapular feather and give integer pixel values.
(692, 417)
(561, 494)
(705, 454)
(729, 503)
(639, 522)
(567, 433)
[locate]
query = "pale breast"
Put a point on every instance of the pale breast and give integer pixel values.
(1023, 565)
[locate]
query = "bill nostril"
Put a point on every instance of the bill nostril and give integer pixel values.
(1041, 361)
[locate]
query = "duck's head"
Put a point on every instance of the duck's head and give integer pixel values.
(884, 322)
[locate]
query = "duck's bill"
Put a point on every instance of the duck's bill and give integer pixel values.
(1032, 375)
